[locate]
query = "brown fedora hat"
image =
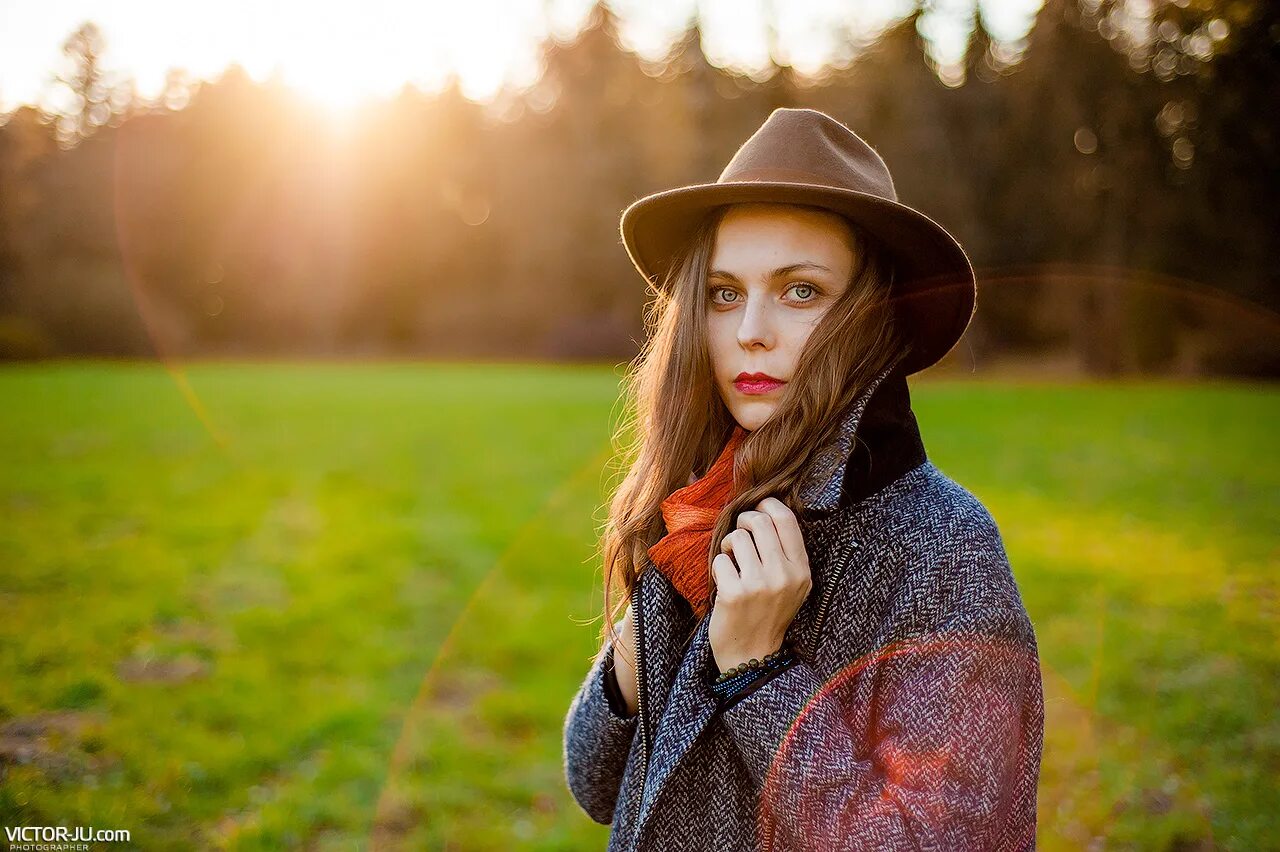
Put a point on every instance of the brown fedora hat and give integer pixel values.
(804, 156)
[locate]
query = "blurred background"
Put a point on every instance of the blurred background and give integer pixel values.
(313, 319)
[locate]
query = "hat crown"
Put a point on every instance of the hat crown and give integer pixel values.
(798, 145)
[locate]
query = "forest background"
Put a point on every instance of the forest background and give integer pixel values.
(1113, 178)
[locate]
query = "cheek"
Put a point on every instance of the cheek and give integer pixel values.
(721, 340)
(792, 338)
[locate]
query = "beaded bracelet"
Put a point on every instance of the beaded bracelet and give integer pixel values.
(723, 704)
(753, 663)
(728, 692)
(740, 676)
(729, 687)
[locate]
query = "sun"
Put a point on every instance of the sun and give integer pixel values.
(331, 81)
(337, 66)
(339, 96)
(340, 63)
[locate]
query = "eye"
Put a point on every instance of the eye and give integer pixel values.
(813, 291)
(715, 290)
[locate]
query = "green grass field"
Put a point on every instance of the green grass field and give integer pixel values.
(333, 606)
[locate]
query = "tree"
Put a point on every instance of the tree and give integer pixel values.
(85, 86)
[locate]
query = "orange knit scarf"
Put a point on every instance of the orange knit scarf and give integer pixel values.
(689, 513)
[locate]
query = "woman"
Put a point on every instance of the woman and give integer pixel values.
(823, 645)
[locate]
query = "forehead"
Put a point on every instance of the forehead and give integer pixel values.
(754, 237)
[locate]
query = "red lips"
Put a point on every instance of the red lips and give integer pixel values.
(757, 383)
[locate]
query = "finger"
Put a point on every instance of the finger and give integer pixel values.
(728, 583)
(765, 536)
(787, 527)
(740, 544)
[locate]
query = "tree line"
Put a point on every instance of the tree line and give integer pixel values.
(1113, 179)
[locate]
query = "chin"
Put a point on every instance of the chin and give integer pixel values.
(751, 415)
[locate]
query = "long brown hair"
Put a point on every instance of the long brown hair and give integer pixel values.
(675, 421)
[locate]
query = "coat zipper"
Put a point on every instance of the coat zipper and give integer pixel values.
(767, 835)
(644, 742)
(826, 599)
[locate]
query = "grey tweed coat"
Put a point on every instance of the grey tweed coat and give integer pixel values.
(913, 718)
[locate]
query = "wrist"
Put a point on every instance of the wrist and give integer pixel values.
(740, 680)
(737, 657)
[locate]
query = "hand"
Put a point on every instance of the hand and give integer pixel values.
(756, 600)
(623, 655)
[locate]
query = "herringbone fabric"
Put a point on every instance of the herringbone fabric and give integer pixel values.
(913, 720)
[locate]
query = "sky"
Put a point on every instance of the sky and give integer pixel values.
(342, 53)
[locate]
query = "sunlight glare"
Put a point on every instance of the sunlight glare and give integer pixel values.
(339, 63)
(328, 89)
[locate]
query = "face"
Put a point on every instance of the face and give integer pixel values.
(775, 271)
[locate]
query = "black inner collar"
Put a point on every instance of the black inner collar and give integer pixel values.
(888, 442)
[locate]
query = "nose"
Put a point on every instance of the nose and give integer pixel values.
(756, 329)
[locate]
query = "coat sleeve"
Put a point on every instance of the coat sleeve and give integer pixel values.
(945, 757)
(597, 741)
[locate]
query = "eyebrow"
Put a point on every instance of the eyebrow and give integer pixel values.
(780, 271)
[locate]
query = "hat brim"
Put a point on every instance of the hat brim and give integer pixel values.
(934, 293)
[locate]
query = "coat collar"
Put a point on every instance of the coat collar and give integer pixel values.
(840, 475)
(878, 441)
